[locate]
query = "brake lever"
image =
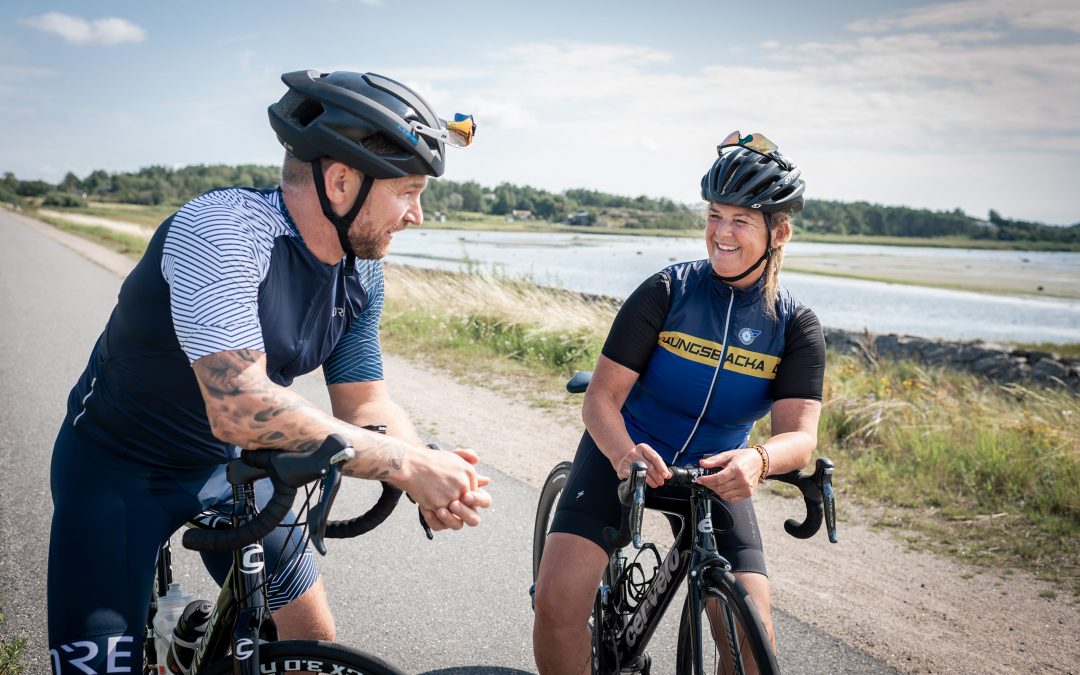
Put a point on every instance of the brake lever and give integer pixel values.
(823, 478)
(637, 508)
(319, 513)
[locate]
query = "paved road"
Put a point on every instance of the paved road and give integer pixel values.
(458, 605)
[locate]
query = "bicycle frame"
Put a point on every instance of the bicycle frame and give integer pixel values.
(241, 603)
(693, 551)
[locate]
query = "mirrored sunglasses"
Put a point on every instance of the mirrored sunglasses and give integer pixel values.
(458, 132)
(756, 142)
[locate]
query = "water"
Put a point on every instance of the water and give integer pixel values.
(615, 265)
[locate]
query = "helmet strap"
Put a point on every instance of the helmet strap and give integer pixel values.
(341, 223)
(764, 256)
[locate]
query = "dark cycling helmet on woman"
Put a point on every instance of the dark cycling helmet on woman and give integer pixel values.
(750, 172)
(333, 114)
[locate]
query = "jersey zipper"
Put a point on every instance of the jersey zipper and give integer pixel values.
(712, 385)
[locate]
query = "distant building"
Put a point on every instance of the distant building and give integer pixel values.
(580, 218)
(521, 214)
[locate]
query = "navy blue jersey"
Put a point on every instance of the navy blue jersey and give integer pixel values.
(711, 362)
(228, 271)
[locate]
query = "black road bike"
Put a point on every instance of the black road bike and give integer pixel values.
(240, 635)
(632, 599)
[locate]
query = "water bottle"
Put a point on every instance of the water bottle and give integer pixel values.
(169, 609)
(189, 630)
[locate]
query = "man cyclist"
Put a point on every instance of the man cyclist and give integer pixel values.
(239, 292)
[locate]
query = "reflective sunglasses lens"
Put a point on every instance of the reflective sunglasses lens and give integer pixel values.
(461, 130)
(731, 139)
(758, 142)
(755, 142)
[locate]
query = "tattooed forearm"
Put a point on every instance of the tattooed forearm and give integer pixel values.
(246, 408)
(373, 474)
(223, 374)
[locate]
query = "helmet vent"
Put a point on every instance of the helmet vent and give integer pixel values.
(307, 112)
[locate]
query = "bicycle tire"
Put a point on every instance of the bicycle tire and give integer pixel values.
(545, 508)
(301, 656)
(723, 591)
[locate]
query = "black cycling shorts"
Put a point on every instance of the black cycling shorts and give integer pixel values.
(589, 503)
(110, 517)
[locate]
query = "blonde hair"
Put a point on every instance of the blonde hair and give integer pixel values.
(772, 267)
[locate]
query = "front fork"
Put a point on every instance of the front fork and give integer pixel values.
(705, 556)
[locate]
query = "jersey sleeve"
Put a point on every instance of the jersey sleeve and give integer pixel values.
(214, 264)
(358, 356)
(634, 333)
(801, 373)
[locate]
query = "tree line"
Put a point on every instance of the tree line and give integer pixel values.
(155, 185)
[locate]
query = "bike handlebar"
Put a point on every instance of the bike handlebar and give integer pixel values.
(816, 489)
(820, 500)
(287, 472)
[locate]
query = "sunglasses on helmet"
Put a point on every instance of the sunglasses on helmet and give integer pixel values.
(458, 132)
(755, 143)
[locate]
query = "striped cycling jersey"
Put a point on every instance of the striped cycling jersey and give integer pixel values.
(227, 271)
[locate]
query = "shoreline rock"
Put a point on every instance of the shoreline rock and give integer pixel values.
(997, 362)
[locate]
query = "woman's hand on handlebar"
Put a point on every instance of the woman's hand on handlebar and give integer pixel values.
(657, 472)
(738, 474)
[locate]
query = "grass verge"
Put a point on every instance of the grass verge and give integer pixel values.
(984, 472)
(127, 244)
(11, 654)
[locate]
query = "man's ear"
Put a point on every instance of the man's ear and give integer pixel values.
(340, 181)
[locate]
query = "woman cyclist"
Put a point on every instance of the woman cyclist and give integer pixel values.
(697, 354)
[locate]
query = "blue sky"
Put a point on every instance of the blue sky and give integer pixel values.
(972, 104)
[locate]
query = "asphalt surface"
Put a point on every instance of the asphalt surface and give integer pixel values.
(455, 605)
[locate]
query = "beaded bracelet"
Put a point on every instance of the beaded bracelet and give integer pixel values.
(764, 462)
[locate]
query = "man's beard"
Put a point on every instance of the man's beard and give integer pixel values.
(365, 244)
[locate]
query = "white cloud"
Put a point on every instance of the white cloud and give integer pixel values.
(1040, 14)
(886, 116)
(75, 30)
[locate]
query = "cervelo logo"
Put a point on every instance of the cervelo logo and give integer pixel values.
(664, 575)
(704, 526)
(118, 658)
(252, 560)
(243, 649)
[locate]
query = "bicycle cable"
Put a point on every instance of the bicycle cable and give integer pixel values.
(633, 583)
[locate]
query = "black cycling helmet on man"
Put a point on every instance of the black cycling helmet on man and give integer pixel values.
(751, 173)
(376, 125)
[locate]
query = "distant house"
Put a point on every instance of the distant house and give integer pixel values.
(521, 214)
(580, 218)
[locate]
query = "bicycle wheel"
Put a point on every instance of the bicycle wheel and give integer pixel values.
(734, 639)
(545, 510)
(309, 656)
